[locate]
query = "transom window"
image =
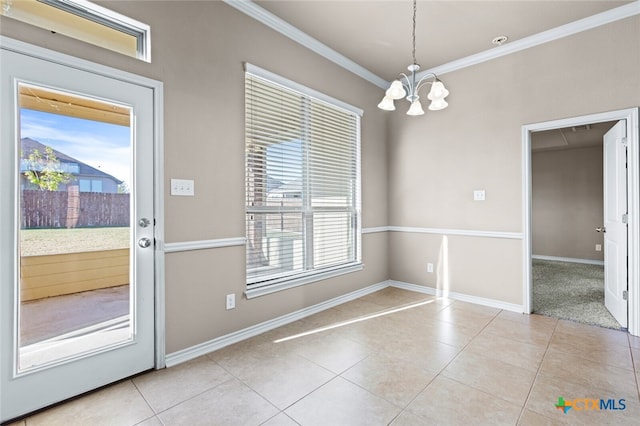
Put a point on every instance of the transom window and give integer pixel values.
(302, 184)
(86, 21)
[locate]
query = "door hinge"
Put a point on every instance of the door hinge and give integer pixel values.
(625, 295)
(623, 141)
(625, 218)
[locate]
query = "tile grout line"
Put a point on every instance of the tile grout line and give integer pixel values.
(447, 364)
(408, 301)
(335, 376)
(535, 379)
(375, 351)
(636, 373)
(280, 411)
(402, 409)
(146, 402)
(473, 387)
(157, 413)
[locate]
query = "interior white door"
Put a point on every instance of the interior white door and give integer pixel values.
(615, 222)
(72, 361)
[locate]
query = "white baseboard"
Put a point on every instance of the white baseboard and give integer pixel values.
(512, 307)
(192, 352)
(568, 259)
(204, 348)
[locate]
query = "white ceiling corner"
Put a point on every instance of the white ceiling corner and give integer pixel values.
(288, 29)
(269, 19)
(566, 30)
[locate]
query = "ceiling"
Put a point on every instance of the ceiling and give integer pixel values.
(570, 137)
(377, 34)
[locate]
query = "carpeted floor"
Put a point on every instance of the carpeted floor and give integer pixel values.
(571, 291)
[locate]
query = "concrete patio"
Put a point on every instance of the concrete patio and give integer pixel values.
(47, 318)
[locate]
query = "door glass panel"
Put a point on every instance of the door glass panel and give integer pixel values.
(75, 168)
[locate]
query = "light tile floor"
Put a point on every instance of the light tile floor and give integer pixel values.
(421, 361)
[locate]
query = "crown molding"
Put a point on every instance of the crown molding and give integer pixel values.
(283, 27)
(557, 33)
(251, 9)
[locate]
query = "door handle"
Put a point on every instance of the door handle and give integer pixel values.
(601, 229)
(144, 242)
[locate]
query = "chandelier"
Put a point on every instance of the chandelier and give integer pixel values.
(409, 86)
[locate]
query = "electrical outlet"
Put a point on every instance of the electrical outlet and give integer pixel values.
(598, 247)
(430, 267)
(231, 301)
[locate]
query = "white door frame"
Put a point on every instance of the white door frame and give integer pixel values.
(158, 160)
(631, 115)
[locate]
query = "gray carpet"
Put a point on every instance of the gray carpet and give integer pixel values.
(571, 291)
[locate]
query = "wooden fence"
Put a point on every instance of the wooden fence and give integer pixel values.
(72, 209)
(59, 274)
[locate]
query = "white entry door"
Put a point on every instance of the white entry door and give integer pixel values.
(615, 222)
(76, 231)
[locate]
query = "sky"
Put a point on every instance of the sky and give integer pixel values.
(101, 145)
(284, 161)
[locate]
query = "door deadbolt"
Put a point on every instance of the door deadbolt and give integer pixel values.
(144, 222)
(601, 229)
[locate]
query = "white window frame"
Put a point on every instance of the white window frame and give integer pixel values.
(108, 18)
(255, 289)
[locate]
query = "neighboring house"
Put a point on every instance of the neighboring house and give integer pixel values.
(87, 178)
(291, 189)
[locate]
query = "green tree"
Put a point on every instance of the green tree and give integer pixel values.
(123, 188)
(44, 171)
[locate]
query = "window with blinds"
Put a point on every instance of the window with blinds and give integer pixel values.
(302, 182)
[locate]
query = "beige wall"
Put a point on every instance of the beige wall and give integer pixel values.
(416, 171)
(459, 263)
(198, 50)
(567, 203)
(436, 161)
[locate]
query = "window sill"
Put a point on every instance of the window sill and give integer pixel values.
(296, 282)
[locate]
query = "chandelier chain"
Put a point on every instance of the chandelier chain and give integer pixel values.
(409, 84)
(413, 52)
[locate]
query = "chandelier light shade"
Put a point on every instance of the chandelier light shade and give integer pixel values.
(387, 104)
(415, 108)
(409, 85)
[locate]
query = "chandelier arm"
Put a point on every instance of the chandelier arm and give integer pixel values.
(422, 81)
(407, 83)
(429, 75)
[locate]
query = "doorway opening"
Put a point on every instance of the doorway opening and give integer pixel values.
(568, 267)
(564, 128)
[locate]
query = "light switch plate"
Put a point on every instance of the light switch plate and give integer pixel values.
(182, 187)
(478, 195)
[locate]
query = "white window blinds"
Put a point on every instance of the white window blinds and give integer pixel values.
(302, 183)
